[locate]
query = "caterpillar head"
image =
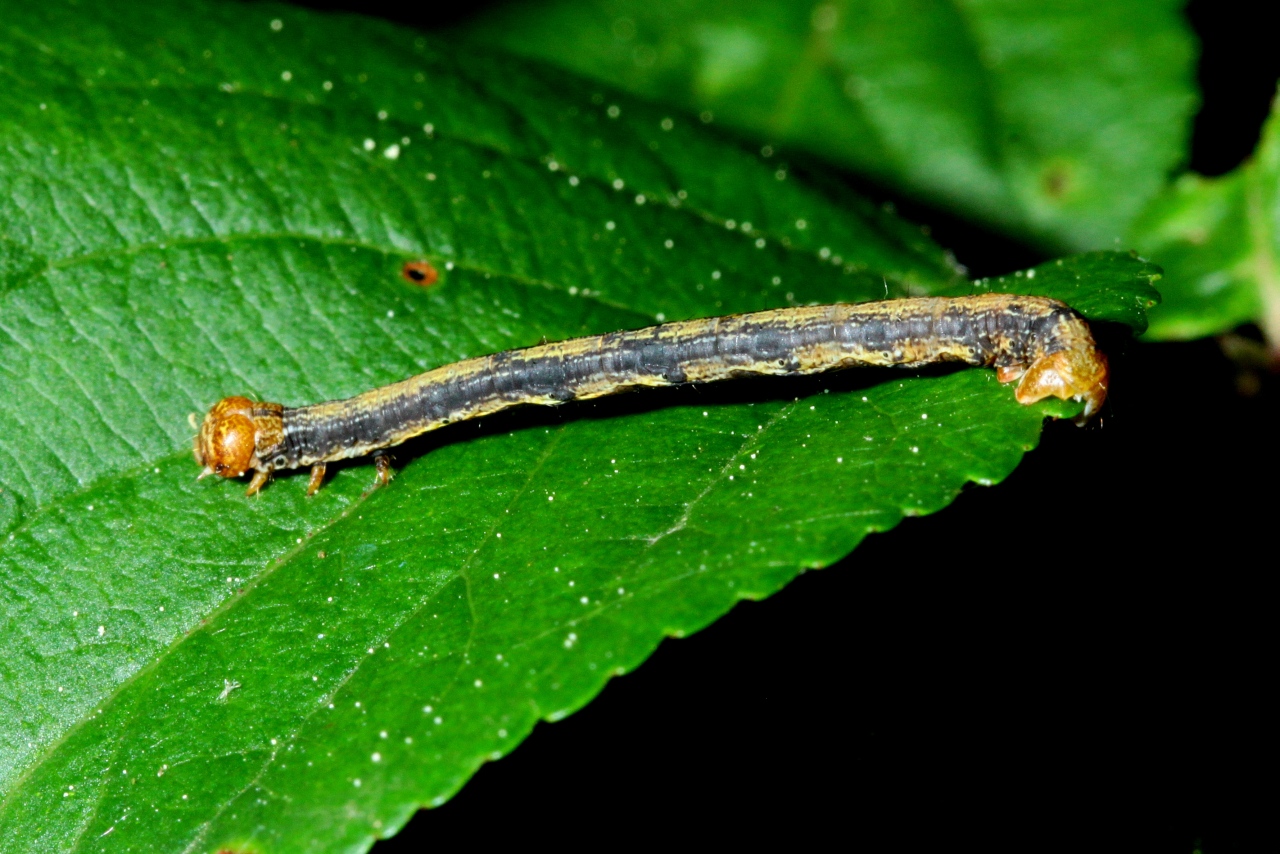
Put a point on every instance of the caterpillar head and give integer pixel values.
(228, 438)
(1079, 372)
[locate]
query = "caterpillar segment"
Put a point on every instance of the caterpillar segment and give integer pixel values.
(1039, 343)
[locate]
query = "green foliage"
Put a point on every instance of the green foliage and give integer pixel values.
(1057, 122)
(1054, 121)
(1075, 280)
(1219, 239)
(205, 199)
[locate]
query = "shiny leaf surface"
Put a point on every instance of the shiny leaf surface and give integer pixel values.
(205, 199)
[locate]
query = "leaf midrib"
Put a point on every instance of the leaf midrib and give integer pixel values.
(38, 759)
(751, 440)
(599, 610)
(202, 625)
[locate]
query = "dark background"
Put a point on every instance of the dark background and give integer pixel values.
(1100, 674)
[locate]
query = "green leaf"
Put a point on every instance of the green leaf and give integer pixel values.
(1055, 121)
(1219, 241)
(205, 199)
(1129, 295)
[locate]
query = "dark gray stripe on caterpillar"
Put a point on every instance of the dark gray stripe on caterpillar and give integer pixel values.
(1040, 340)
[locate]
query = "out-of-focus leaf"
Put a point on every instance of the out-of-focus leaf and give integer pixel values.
(1056, 120)
(1218, 240)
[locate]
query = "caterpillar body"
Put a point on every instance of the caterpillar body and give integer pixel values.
(1042, 343)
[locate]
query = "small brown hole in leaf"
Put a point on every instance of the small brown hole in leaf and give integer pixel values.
(419, 273)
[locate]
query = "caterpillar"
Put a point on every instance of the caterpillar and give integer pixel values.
(1040, 342)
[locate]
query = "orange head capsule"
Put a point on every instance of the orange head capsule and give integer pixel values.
(1081, 373)
(227, 438)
